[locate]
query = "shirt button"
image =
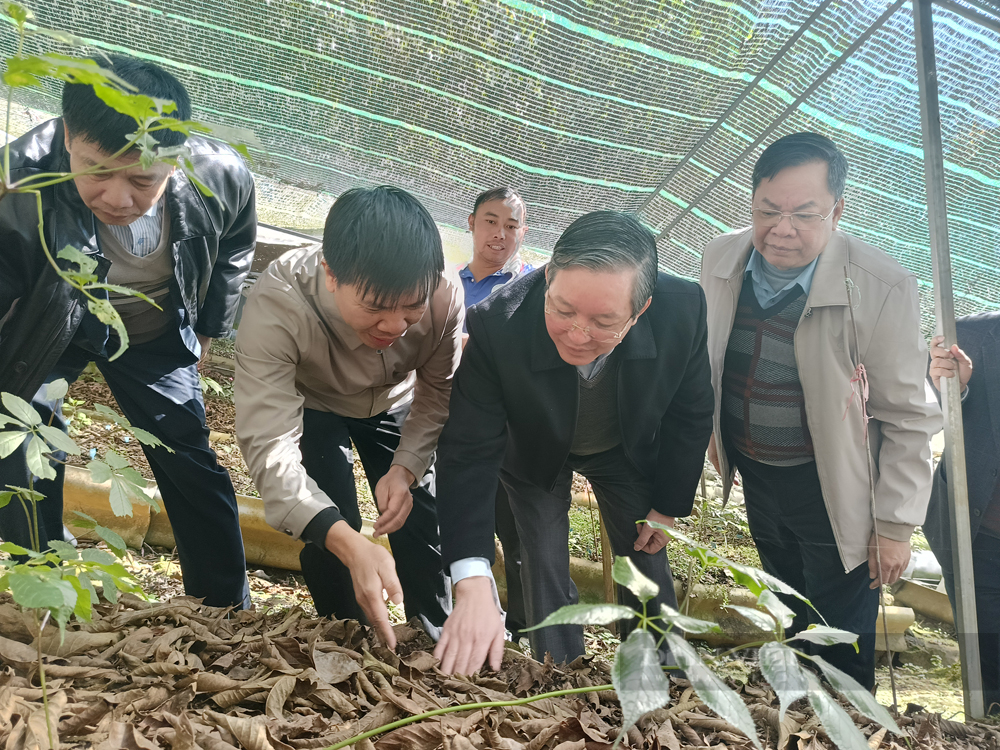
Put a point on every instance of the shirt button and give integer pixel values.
(288, 531)
(20, 367)
(977, 512)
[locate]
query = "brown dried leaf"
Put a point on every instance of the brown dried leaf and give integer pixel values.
(251, 732)
(876, 739)
(421, 661)
(125, 737)
(666, 738)
(88, 715)
(16, 624)
(75, 642)
(571, 745)
(16, 654)
(212, 682)
(183, 736)
(335, 667)
(278, 695)
(160, 669)
(421, 736)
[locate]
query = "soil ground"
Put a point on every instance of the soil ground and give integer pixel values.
(722, 529)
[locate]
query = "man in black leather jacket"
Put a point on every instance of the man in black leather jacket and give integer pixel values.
(149, 229)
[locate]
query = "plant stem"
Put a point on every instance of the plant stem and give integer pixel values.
(10, 103)
(41, 674)
(31, 534)
(463, 707)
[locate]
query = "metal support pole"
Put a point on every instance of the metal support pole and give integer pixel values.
(786, 113)
(954, 453)
(748, 89)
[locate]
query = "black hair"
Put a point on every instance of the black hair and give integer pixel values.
(609, 241)
(497, 194)
(385, 242)
(802, 148)
(86, 116)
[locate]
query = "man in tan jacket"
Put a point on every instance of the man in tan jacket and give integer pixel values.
(354, 342)
(787, 357)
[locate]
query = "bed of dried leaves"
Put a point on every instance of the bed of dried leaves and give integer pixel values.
(174, 674)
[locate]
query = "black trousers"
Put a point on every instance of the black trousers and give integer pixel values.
(986, 568)
(791, 528)
(156, 385)
(506, 529)
(416, 547)
(542, 519)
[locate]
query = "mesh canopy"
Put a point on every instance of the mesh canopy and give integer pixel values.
(580, 105)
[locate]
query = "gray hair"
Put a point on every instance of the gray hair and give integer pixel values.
(609, 241)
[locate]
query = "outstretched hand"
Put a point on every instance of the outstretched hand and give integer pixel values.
(474, 631)
(373, 573)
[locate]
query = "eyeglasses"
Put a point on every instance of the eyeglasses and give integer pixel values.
(565, 323)
(768, 218)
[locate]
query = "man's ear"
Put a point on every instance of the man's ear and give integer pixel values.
(472, 222)
(644, 308)
(838, 211)
(66, 138)
(329, 278)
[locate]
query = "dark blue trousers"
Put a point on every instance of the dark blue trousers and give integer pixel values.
(791, 528)
(156, 385)
(986, 568)
(328, 458)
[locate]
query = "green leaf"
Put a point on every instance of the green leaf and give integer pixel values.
(58, 440)
(84, 603)
(759, 581)
(18, 12)
(863, 700)
(86, 264)
(688, 624)
(137, 106)
(148, 438)
(13, 549)
(208, 384)
(37, 459)
(826, 636)
(781, 613)
(114, 541)
(758, 618)
(41, 588)
(97, 556)
(107, 411)
(10, 441)
(84, 521)
(116, 460)
(638, 678)
(836, 722)
(56, 390)
(120, 497)
(100, 473)
(586, 614)
(626, 574)
(780, 666)
(63, 37)
(106, 313)
(127, 291)
(108, 587)
(5, 497)
(21, 410)
(712, 691)
(64, 550)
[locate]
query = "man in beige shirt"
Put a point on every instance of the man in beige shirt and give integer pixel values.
(355, 341)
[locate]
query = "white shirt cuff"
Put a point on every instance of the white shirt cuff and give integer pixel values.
(469, 567)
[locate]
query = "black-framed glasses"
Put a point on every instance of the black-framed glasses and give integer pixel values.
(766, 217)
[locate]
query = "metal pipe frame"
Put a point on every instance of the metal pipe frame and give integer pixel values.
(982, 19)
(787, 112)
(951, 401)
(748, 89)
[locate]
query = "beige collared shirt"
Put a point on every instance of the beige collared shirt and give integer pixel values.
(294, 351)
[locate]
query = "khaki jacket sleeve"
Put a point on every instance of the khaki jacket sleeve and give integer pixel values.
(429, 410)
(907, 417)
(269, 409)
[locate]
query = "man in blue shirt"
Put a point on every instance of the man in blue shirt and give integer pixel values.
(497, 226)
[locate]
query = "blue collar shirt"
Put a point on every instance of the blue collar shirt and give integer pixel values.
(759, 269)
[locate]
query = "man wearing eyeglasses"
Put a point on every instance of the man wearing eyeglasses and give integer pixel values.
(801, 317)
(595, 364)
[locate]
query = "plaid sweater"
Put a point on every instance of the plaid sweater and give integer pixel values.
(763, 407)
